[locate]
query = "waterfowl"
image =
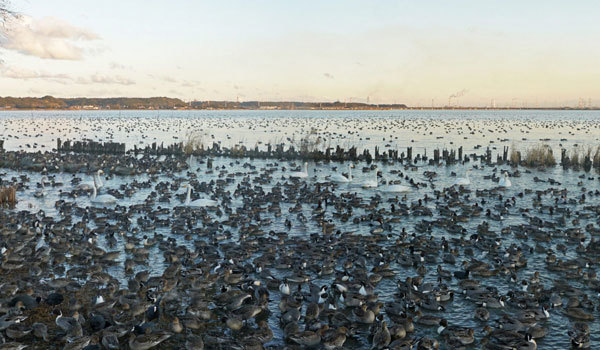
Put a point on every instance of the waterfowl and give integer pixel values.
(340, 178)
(146, 341)
(504, 180)
(578, 314)
(463, 181)
(68, 324)
(201, 202)
(372, 183)
(482, 314)
(306, 338)
(88, 186)
(300, 174)
(103, 198)
(382, 337)
(334, 338)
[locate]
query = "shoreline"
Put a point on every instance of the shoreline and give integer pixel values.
(303, 109)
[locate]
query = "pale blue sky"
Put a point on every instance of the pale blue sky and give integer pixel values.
(514, 52)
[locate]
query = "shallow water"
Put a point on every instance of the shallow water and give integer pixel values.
(248, 127)
(422, 130)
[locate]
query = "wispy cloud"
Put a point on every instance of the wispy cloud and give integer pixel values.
(61, 78)
(328, 76)
(26, 74)
(105, 79)
(166, 78)
(119, 66)
(49, 38)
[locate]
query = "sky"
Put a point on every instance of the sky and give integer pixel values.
(421, 53)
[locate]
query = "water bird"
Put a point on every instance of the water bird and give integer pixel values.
(300, 174)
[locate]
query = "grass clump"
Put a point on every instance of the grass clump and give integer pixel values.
(309, 142)
(8, 196)
(539, 156)
(515, 156)
(596, 158)
(194, 142)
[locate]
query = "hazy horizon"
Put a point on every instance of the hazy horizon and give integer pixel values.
(466, 53)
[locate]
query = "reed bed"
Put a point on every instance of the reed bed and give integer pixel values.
(539, 155)
(194, 142)
(8, 196)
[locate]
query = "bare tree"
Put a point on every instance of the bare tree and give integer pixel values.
(6, 12)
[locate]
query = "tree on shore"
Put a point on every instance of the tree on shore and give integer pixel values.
(6, 13)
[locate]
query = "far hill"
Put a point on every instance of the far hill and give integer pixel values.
(49, 102)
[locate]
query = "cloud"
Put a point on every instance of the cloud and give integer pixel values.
(26, 74)
(61, 78)
(105, 79)
(166, 78)
(327, 75)
(48, 37)
(115, 65)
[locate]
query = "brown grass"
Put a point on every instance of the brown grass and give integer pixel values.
(309, 142)
(194, 142)
(515, 156)
(596, 158)
(539, 156)
(8, 196)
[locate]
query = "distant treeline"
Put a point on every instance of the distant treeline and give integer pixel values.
(49, 102)
(290, 105)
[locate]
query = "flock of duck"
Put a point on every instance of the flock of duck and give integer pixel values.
(254, 254)
(262, 254)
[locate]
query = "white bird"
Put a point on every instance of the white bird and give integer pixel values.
(371, 183)
(337, 177)
(42, 191)
(202, 202)
(504, 181)
(284, 288)
(87, 186)
(192, 161)
(300, 174)
(396, 188)
(463, 181)
(103, 198)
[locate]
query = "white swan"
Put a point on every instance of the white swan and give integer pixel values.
(337, 177)
(191, 162)
(88, 186)
(396, 188)
(463, 181)
(300, 174)
(504, 180)
(202, 202)
(103, 198)
(371, 183)
(42, 191)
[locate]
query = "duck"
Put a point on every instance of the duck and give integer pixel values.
(482, 314)
(306, 338)
(146, 341)
(382, 337)
(201, 202)
(68, 324)
(578, 314)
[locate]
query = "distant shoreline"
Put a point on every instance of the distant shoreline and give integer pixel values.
(301, 109)
(50, 103)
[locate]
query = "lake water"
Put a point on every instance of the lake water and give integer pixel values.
(423, 130)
